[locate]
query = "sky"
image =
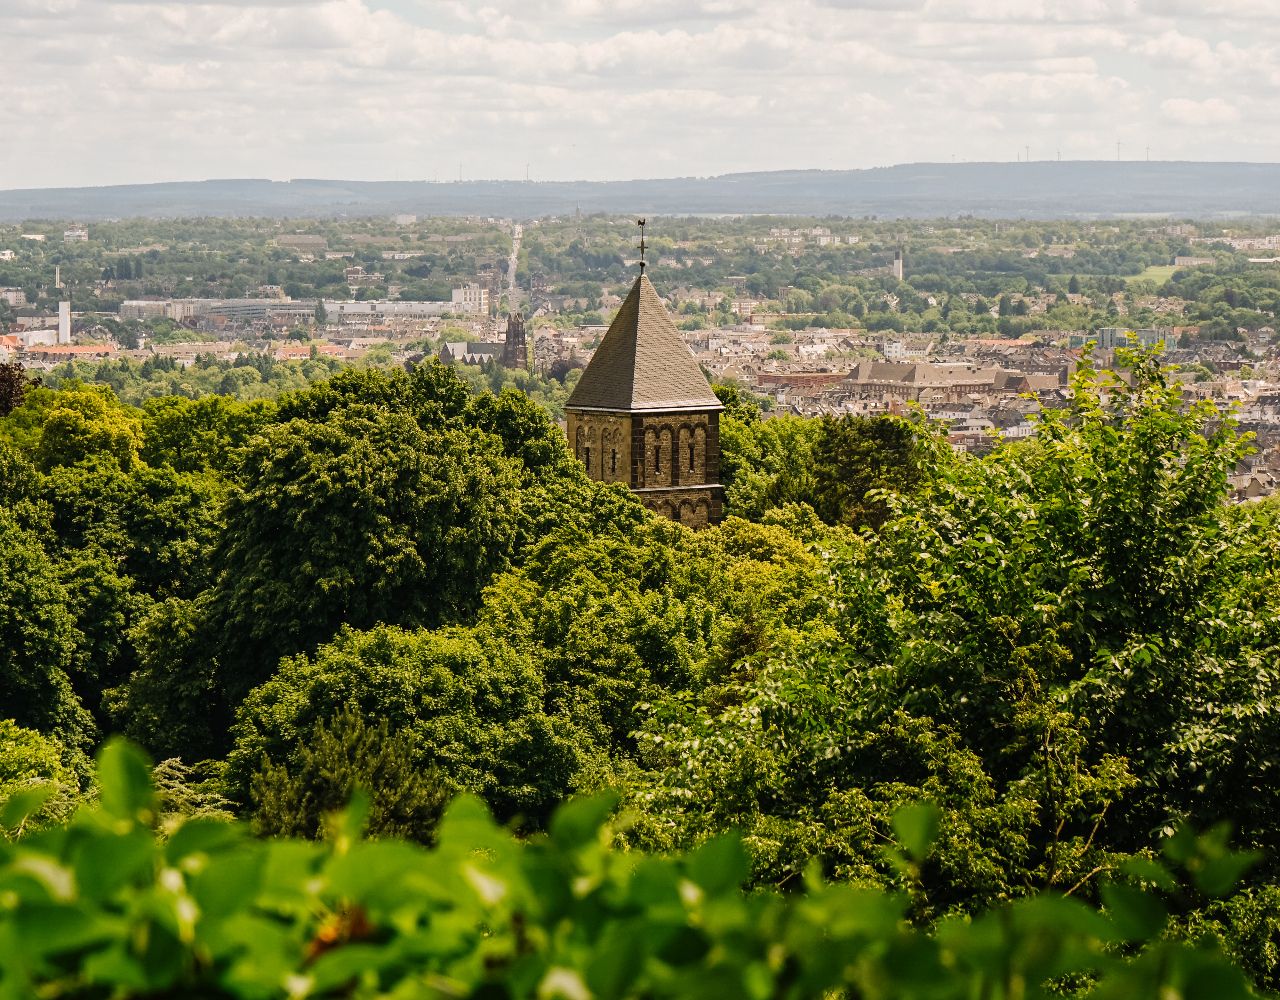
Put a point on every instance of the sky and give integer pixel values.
(130, 91)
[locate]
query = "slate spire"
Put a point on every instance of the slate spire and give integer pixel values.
(642, 364)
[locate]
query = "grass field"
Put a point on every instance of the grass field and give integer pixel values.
(1159, 273)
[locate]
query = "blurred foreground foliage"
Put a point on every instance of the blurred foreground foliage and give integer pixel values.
(106, 906)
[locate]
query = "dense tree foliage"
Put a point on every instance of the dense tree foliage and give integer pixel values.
(360, 518)
(38, 641)
(401, 580)
(345, 756)
(469, 706)
(34, 764)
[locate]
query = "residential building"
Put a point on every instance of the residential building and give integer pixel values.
(357, 277)
(302, 241)
(471, 299)
(471, 352)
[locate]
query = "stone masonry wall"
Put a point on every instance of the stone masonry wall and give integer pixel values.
(672, 460)
(602, 443)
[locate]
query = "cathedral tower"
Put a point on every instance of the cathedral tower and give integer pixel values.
(643, 414)
(515, 350)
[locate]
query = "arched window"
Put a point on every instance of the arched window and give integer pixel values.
(613, 462)
(690, 456)
(657, 458)
(586, 458)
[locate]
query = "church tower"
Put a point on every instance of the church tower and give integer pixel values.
(643, 414)
(515, 350)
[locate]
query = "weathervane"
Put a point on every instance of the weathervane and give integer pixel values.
(640, 223)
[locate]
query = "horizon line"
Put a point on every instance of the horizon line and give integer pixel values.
(454, 182)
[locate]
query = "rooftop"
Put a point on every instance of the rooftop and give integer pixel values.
(642, 363)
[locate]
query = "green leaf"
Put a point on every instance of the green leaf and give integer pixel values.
(53, 928)
(124, 776)
(1136, 915)
(346, 964)
(618, 959)
(684, 946)
(385, 874)
(579, 821)
(346, 827)
(106, 861)
(1212, 977)
(1217, 876)
(22, 805)
(202, 836)
(1150, 870)
(229, 882)
(1182, 846)
(116, 967)
(466, 825)
(916, 827)
(1061, 915)
(720, 865)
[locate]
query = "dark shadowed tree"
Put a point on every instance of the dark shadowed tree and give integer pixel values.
(14, 383)
(854, 456)
(294, 796)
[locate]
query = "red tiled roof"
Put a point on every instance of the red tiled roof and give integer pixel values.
(72, 350)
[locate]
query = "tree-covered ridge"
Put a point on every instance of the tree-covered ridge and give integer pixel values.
(392, 580)
(254, 377)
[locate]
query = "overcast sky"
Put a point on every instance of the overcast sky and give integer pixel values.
(104, 92)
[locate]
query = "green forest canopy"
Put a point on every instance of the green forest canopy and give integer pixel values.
(1066, 646)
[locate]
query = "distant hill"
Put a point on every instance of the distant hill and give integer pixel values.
(1053, 189)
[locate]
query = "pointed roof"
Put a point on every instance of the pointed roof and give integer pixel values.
(642, 364)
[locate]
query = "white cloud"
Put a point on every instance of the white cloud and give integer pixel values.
(104, 91)
(1198, 114)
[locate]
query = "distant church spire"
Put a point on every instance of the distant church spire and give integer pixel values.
(515, 350)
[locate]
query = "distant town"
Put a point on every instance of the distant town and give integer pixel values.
(976, 323)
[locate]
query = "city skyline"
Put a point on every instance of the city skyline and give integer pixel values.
(108, 92)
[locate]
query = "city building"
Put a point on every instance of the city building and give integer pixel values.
(357, 277)
(302, 241)
(471, 352)
(1108, 338)
(471, 299)
(643, 414)
(76, 234)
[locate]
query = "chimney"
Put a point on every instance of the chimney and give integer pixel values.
(64, 322)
